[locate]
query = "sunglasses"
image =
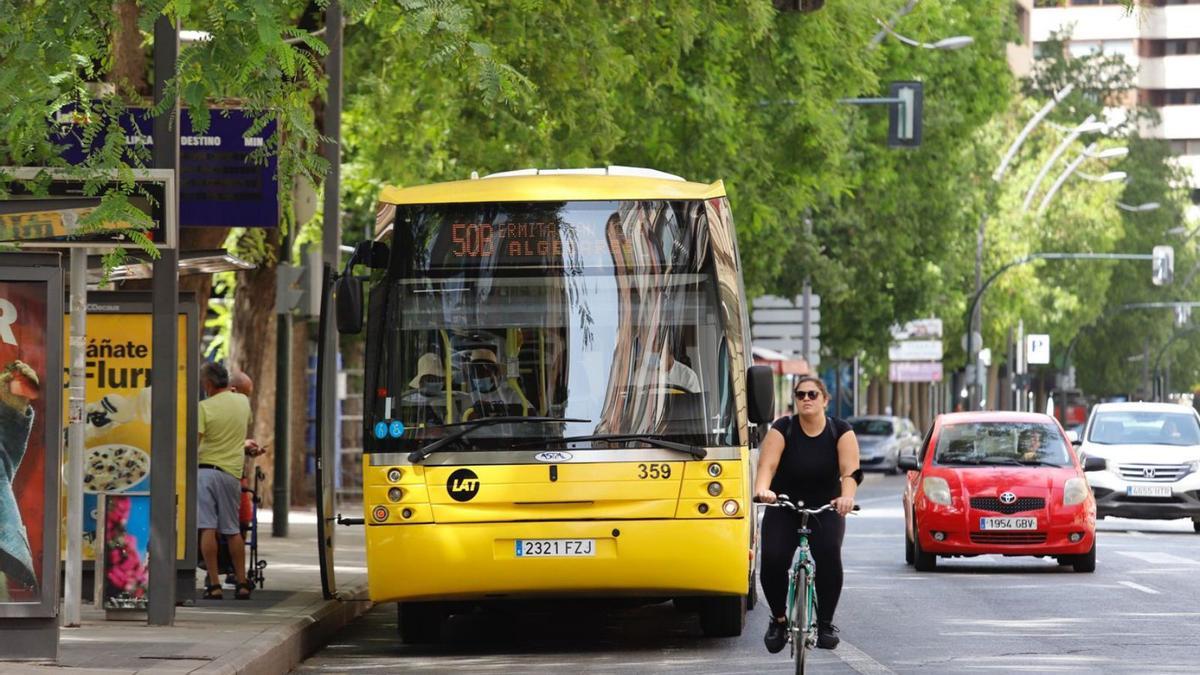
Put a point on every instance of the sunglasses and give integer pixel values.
(812, 394)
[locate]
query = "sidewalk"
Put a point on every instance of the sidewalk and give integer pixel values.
(271, 633)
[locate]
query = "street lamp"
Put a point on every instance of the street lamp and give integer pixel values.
(974, 319)
(945, 44)
(1089, 125)
(1088, 153)
(1140, 208)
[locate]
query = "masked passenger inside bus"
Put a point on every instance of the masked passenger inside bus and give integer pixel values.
(428, 400)
(492, 394)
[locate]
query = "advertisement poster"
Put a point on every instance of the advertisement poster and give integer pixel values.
(117, 416)
(23, 328)
(126, 551)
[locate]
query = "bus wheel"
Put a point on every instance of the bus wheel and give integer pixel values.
(723, 616)
(420, 622)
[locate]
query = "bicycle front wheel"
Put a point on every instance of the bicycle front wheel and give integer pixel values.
(801, 619)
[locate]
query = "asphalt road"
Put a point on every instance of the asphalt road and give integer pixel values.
(1139, 612)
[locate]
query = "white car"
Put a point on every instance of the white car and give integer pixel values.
(1153, 455)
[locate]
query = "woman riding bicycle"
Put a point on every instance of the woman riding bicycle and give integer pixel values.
(812, 459)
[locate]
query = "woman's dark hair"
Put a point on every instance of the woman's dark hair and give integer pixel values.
(815, 380)
(215, 374)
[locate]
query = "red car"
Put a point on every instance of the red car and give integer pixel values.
(999, 482)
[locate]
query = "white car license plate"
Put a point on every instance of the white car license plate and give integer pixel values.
(1148, 490)
(1008, 523)
(556, 548)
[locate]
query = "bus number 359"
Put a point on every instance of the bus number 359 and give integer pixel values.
(654, 471)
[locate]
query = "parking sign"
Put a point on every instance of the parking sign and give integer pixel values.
(1037, 349)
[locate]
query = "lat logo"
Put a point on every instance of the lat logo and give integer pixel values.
(463, 485)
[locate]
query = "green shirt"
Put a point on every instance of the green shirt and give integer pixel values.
(223, 421)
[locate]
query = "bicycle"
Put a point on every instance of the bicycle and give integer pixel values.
(801, 612)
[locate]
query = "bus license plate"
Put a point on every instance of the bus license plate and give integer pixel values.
(556, 548)
(1008, 523)
(1148, 490)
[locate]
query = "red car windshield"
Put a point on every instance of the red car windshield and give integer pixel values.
(1001, 443)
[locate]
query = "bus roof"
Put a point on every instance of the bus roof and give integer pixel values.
(551, 188)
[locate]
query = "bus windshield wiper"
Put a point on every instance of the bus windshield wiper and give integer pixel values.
(467, 427)
(693, 450)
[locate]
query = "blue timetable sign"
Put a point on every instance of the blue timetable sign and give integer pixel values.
(218, 185)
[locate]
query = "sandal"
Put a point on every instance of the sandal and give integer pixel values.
(213, 592)
(243, 591)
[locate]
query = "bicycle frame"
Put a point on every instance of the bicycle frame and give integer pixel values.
(802, 590)
(802, 602)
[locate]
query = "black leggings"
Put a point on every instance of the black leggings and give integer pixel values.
(779, 542)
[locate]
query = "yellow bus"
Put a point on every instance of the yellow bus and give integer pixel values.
(558, 395)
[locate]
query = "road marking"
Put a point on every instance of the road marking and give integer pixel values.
(1159, 558)
(859, 660)
(1138, 587)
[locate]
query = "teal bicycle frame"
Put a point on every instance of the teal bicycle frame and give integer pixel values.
(802, 588)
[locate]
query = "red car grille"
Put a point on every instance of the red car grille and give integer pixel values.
(1011, 538)
(994, 504)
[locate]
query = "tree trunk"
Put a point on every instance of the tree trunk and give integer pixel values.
(252, 350)
(129, 58)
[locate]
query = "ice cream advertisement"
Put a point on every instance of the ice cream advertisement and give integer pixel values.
(119, 389)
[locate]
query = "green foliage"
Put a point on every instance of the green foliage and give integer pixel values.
(898, 244)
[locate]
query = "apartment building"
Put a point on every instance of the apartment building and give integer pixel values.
(1161, 38)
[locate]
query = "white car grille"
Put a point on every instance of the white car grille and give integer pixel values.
(1159, 473)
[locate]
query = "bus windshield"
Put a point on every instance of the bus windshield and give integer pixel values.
(598, 311)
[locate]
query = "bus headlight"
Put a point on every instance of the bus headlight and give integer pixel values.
(714, 489)
(730, 507)
(1075, 490)
(393, 475)
(380, 513)
(937, 490)
(395, 494)
(714, 469)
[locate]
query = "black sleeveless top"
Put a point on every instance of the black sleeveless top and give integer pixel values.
(808, 468)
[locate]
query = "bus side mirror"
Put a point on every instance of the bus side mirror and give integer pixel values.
(348, 290)
(760, 390)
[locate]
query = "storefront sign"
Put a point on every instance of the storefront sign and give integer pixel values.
(915, 371)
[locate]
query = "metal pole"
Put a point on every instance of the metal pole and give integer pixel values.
(281, 481)
(1058, 151)
(164, 408)
(805, 321)
(73, 581)
(331, 236)
(1062, 178)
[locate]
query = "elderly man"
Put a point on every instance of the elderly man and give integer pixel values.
(223, 421)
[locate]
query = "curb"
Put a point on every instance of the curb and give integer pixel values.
(282, 648)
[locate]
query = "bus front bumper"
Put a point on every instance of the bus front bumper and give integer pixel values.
(630, 558)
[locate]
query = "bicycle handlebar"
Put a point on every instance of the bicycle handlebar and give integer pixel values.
(783, 501)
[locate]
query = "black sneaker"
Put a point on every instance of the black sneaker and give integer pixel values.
(827, 636)
(776, 636)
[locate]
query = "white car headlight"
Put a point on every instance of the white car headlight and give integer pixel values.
(1194, 466)
(1075, 490)
(937, 490)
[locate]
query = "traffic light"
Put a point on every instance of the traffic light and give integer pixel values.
(1163, 265)
(904, 118)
